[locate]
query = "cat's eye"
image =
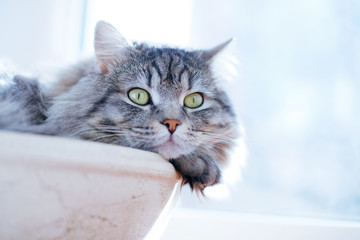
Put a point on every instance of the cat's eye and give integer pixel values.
(193, 100)
(139, 96)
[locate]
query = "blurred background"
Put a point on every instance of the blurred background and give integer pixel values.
(296, 90)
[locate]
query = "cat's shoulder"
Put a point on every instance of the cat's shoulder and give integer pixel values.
(69, 76)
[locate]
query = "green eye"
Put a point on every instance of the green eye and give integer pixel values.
(139, 96)
(193, 100)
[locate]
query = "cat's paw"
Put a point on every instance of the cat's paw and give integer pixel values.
(199, 171)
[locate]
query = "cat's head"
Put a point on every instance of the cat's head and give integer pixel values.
(165, 100)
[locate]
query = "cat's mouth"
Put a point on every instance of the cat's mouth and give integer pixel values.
(169, 148)
(173, 148)
(170, 144)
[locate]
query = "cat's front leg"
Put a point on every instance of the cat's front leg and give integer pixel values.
(198, 169)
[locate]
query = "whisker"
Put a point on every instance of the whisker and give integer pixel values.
(213, 150)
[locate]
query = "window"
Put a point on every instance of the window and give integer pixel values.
(296, 91)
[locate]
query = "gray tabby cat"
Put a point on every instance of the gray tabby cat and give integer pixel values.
(164, 100)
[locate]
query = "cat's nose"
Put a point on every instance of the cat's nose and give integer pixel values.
(171, 124)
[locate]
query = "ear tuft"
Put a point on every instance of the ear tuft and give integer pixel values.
(111, 47)
(208, 55)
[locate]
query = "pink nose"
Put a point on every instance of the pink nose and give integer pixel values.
(171, 124)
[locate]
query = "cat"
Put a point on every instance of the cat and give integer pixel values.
(160, 99)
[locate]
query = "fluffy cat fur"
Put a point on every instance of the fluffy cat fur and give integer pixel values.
(91, 102)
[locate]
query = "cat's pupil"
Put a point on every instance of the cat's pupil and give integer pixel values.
(138, 96)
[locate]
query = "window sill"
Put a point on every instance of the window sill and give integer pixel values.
(200, 224)
(59, 188)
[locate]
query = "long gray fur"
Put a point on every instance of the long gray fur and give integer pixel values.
(93, 104)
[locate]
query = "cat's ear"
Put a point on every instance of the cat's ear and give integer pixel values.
(111, 47)
(209, 54)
